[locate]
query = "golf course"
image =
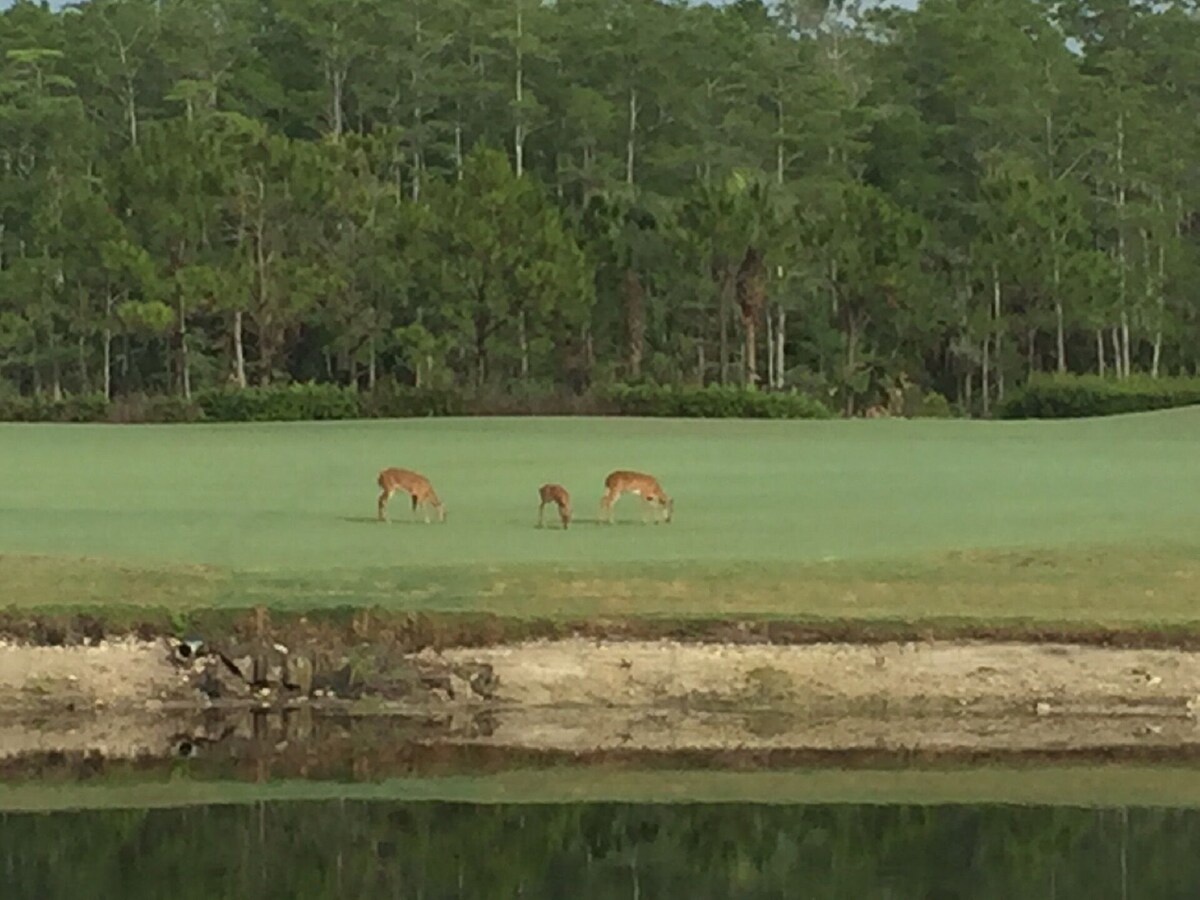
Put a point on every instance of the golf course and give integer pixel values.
(1093, 520)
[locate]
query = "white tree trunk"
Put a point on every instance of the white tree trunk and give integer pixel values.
(631, 142)
(107, 347)
(519, 130)
(239, 353)
(996, 313)
(780, 363)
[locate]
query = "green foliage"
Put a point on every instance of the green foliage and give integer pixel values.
(520, 201)
(934, 406)
(397, 401)
(1080, 396)
(162, 409)
(713, 402)
(290, 403)
(82, 408)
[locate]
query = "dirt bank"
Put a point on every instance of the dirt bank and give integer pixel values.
(132, 698)
(578, 695)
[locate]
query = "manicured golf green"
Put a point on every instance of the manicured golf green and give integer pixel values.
(883, 502)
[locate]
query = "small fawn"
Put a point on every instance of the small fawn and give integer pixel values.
(645, 486)
(556, 494)
(417, 486)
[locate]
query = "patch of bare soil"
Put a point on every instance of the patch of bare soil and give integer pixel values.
(109, 698)
(132, 698)
(580, 695)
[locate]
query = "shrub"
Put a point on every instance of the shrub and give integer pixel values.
(933, 406)
(307, 402)
(138, 408)
(398, 401)
(280, 403)
(77, 408)
(713, 402)
(1078, 396)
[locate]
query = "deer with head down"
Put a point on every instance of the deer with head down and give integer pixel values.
(643, 485)
(417, 486)
(556, 494)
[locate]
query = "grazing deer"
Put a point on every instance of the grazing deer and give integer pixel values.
(417, 486)
(645, 486)
(556, 494)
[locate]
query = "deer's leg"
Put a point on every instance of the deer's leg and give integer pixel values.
(646, 507)
(382, 504)
(541, 513)
(606, 503)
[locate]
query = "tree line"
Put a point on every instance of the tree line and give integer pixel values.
(527, 197)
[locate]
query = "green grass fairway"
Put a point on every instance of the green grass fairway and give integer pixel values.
(765, 514)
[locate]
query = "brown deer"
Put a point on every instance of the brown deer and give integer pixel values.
(645, 486)
(417, 486)
(556, 494)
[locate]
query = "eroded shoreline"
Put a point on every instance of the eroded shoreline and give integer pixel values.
(583, 697)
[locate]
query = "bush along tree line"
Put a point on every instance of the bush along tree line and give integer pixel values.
(281, 208)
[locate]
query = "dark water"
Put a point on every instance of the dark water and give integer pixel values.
(434, 850)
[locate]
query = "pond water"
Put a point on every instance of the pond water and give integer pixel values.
(357, 848)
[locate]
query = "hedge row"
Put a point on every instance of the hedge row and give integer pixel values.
(713, 402)
(314, 402)
(1079, 396)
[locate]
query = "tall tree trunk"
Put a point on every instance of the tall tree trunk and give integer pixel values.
(239, 352)
(107, 346)
(780, 330)
(85, 382)
(770, 351)
(985, 379)
(519, 129)
(458, 149)
(36, 365)
(336, 76)
(1060, 338)
(851, 359)
(751, 295)
(56, 391)
(999, 331)
(750, 357)
(1100, 352)
(1118, 358)
(523, 341)
(779, 150)
(1162, 300)
(1121, 358)
(722, 280)
(631, 141)
(418, 160)
(371, 361)
(185, 368)
(131, 113)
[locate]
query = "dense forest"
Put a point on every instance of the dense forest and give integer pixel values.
(527, 196)
(431, 850)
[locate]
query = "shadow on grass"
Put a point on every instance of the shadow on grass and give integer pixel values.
(371, 520)
(555, 526)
